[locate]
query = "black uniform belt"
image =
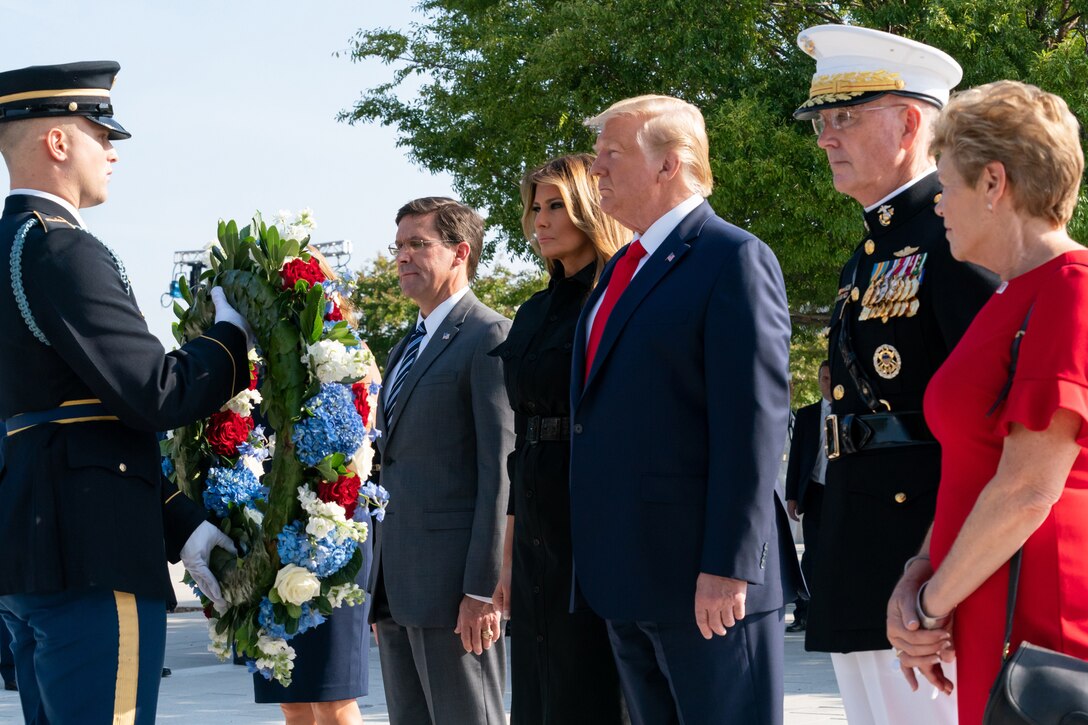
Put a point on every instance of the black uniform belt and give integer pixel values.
(71, 411)
(874, 431)
(540, 428)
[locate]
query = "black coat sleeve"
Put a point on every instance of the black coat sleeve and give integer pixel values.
(80, 301)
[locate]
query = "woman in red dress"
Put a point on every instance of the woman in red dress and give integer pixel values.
(1011, 165)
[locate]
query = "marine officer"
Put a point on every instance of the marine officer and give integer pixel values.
(903, 303)
(85, 516)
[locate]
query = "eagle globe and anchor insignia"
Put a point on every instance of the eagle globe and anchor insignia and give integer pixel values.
(887, 362)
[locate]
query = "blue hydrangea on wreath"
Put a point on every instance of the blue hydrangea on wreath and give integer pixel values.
(295, 500)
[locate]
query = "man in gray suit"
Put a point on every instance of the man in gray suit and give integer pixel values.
(447, 431)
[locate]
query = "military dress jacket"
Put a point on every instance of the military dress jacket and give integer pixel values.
(84, 504)
(904, 303)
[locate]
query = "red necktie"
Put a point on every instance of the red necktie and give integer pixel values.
(621, 277)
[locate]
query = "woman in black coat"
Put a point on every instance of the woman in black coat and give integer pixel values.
(562, 668)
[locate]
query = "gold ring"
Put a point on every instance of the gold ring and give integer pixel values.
(487, 634)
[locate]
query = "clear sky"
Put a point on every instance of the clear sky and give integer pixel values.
(231, 105)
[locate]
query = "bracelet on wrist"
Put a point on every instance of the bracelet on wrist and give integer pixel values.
(927, 621)
(916, 557)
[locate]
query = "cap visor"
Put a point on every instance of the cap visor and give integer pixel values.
(117, 131)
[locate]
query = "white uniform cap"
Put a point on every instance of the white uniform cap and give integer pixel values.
(855, 65)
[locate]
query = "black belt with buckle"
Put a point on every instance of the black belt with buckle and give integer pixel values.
(540, 428)
(874, 431)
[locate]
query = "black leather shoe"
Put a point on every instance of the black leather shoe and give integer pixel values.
(11, 686)
(166, 672)
(798, 625)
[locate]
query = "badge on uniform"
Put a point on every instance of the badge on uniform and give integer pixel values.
(887, 362)
(893, 288)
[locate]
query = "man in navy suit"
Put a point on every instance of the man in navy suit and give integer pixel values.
(805, 476)
(679, 407)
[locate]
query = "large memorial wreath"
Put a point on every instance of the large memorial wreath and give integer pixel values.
(287, 498)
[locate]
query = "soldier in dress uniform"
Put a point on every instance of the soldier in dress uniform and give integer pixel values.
(86, 519)
(903, 303)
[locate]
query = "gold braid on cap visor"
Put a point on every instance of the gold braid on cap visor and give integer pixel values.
(844, 86)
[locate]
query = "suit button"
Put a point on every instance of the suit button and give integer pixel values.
(540, 638)
(900, 497)
(536, 590)
(529, 493)
(577, 427)
(536, 542)
(531, 356)
(531, 406)
(122, 467)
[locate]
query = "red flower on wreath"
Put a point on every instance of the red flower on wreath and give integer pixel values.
(334, 314)
(344, 491)
(298, 269)
(252, 376)
(359, 390)
(226, 430)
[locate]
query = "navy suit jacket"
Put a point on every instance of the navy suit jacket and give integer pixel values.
(804, 448)
(677, 433)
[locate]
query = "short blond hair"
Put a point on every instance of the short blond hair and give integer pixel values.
(582, 200)
(670, 124)
(1030, 132)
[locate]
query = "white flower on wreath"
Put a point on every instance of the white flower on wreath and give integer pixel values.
(220, 643)
(277, 656)
(296, 584)
(328, 517)
(346, 593)
(295, 226)
(255, 467)
(332, 362)
(243, 403)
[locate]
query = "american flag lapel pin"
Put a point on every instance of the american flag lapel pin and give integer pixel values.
(445, 335)
(670, 257)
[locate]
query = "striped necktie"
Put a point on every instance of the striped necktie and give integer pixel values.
(411, 352)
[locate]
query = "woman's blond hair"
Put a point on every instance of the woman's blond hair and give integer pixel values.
(1030, 132)
(582, 200)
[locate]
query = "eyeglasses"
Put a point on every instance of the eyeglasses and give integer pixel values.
(416, 245)
(843, 118)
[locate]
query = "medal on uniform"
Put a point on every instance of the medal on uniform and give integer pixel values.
(887, 362)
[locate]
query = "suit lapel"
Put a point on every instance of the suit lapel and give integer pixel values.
(440, 340)
(660, 263)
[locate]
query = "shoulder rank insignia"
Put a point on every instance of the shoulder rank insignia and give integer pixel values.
(906, 251)
(50, 222)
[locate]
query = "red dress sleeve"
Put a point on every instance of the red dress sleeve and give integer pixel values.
(1052, 371)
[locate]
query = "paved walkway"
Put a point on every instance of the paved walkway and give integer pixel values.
(203, 690)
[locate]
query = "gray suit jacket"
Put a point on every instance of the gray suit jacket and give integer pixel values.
(444, 463)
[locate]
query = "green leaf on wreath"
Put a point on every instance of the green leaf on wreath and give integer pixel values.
(324, 606)
(274, 596)
(294, 611)
(186, 293)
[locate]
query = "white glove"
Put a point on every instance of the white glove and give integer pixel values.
(225, 313)
(196, 554)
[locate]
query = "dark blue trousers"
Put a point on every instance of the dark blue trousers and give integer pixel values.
(7, 659)
(91, 656)
(672, 676)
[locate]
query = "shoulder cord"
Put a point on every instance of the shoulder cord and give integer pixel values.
(16, 266)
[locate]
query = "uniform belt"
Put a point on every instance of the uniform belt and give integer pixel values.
(540, 428)
(71, 411)
(874, 431)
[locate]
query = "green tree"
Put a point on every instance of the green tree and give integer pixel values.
(386, 315)
(505, 84)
